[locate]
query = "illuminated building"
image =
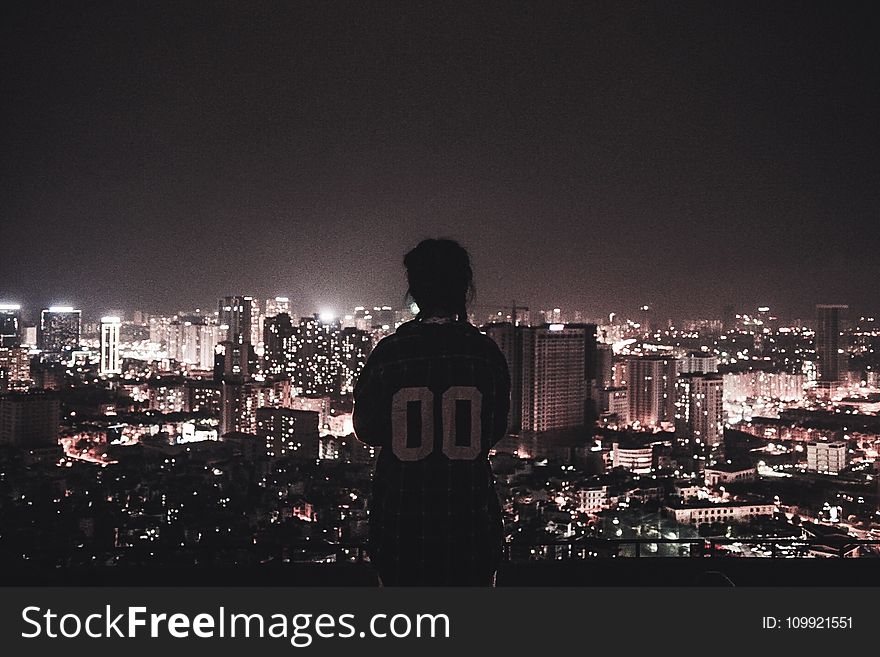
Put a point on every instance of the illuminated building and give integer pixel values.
(59, 332)
(288, 432)
(699, 407)
(167, 394)
(651, 389)
(203, 395)
(831, 353)
(826, 458)
(273, 308)
(698, 362)
(322, 358)
(159, 327)
(17, 364)
(277, 306)
(742, 386)
(551, 369)
(110, 361)
(234, 361)
(362, 318)
(257, 319)
(239, 402)
(193, 342)
(592, 500)
(234, 317)
(720, 474)
(355, 347)
(277, 334)
(29, 419)
(604, 365)
(10, 325)
(634, 458)
(702, 512)
(613, 401)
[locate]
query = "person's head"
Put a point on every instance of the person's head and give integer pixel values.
(440, 278)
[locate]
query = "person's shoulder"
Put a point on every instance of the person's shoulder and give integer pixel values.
(405, 329)
(484, 342)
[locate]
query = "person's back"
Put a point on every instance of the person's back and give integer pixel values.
(435, 396)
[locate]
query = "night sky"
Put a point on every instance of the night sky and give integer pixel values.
(591, 156)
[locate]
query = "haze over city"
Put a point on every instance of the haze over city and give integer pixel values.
(596, 157)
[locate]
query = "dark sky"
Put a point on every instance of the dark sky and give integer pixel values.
(595, 156)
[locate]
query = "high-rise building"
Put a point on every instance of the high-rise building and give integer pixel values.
(16, 362)
(277, 335)
(10, 325)
(110, 361)
(257, 319)
(314, 357)
(59, 332)
(240, 401)
(699, 407)
(29, 419)
(604, 365)
(651, 389)
(831, 356)
(698, 362)
(273, 308)
(289, 432)
(277, 306)
(234, 317)
(233, 361)
(552, 370)
(193, 341)
(167, 394)
(356, 346)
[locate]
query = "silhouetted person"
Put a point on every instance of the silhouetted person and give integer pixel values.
(435, 396)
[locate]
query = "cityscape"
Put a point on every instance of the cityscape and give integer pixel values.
(671, 214)
(223, 436)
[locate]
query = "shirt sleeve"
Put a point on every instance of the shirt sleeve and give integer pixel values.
(371, 415)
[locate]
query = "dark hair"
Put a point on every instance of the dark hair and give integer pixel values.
(440, 277)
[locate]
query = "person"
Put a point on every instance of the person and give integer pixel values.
(434, 396)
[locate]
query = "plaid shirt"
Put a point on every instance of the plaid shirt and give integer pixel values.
(435, 397)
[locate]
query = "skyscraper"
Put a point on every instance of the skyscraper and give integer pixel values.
(16, 364)
(59, 332)
(277, 306)
(193, 342)
(110, 361)
(651, 389)
(314, 357)
(10, 325)
(831, 357)
(234, 317)
(355, 347)
(239, 402)
(552, 368)
(698, 362)
(699, 407)
(288, 432)
(277, 333)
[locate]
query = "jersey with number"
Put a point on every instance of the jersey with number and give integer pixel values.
(435, 397)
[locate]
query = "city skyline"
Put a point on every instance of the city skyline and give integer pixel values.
(590, 157)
